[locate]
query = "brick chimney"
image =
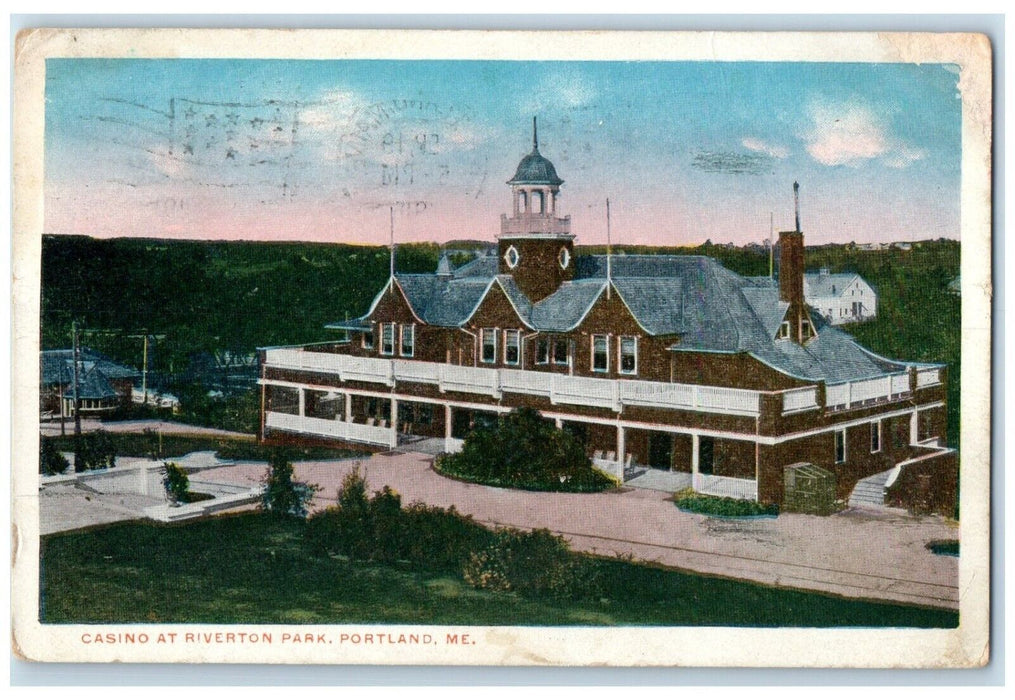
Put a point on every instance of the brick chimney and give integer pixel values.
(791, 277)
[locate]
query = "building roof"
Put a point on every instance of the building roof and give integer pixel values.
(58, 366)
(95, 385)
(703, 305)
(534, 169)
(819, 284)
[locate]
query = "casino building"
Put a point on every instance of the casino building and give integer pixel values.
(668, 363)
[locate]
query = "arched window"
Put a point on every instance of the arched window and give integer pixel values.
(537, 202)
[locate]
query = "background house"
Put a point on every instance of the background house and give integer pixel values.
(840, 298)
(103, 385)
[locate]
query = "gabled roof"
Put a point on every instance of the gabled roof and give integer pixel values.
(827, 285)
(57, 366)
(94, 385)
(707, 307)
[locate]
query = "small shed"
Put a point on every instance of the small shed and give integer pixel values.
(808, 489)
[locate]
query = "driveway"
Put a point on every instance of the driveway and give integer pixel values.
(860, 554)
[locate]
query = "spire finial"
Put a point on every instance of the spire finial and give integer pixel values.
(796, 203)
(535, 136)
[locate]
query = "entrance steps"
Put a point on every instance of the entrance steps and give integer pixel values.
(870, 492)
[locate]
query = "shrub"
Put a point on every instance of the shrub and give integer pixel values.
(282, 495)
(176, 482)
(719, 505)
(51, 460)
(97, 451)
(524, 450)
(536, 563)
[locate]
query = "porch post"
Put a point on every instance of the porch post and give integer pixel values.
(394, 422)
(914, 428)
(695, 440)
(559, 422)
(348, 407)
(447, 428)
(621, 445)
(303, 402)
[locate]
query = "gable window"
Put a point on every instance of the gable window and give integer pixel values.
(628, 354)
(543, 351)
(876, 437)
(512, 347)
(488, 337)
(783, 330)
(387, 338)
(840, 446)
(600, 353)
(408, 340)
(806, 330)
(560, 351)
(368, 339)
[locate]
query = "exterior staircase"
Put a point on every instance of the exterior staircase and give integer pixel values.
(870, 492)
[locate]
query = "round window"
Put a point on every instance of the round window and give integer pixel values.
(511, 257)
(564, 258)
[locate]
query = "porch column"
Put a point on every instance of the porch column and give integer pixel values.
(914, 428)
(394, 422)
(621, 445)
(695, 440)
(303, 402)
(447, 428)
(348, 407)
(559, 422)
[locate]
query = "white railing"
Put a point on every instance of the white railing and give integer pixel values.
(728, 486)
(928, 377)
(584, 391)
(421, 372)
(848, 394)
(453, 444)
(355, 432)
(559, 388)
(804, 399)
(471, 380)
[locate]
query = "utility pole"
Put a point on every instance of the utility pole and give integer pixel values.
(144, 363)
(78, 466)
(609, 245)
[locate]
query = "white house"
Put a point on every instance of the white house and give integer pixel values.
(840, 298)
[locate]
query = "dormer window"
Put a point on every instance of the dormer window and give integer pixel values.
(806, 330)
(783, 331)
(511, 257)
(564, 258)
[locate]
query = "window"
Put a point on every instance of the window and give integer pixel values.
(488, 337)
(876, 437)
(564, 258)
(512, 347)
(840, 446)
(783, 330)
(387, 338)
(560, 351)
(368, 339)
(628, 355)
(537, 202)
(543, 351)
(511, 257)
(600, 353)
(806, 330)
(408, 340)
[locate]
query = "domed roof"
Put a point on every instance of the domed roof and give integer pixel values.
(534, 168)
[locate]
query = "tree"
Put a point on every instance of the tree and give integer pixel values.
(51, 460)
(282, 494)
(176, 482)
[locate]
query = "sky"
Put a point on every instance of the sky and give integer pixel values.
(321, 150)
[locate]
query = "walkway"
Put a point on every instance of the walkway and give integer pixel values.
(857, 554)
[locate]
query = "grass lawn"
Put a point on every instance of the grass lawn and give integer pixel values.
(252, 568)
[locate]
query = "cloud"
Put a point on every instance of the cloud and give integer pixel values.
(565, 90)
(851, 134)
(759, 146)
(732, 163)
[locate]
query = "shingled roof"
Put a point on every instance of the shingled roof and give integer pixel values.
(57, 366)
(701, 304)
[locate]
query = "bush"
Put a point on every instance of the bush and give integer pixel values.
(282, 495)
(725, 507)
(524, 450)
(380, 529)
(176, 482)
(536, 563)
(51, 460)
(97, 451)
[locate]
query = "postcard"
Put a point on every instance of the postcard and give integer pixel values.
(502, 348)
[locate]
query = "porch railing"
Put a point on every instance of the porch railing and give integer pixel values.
(727, 486)
(342, 430)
